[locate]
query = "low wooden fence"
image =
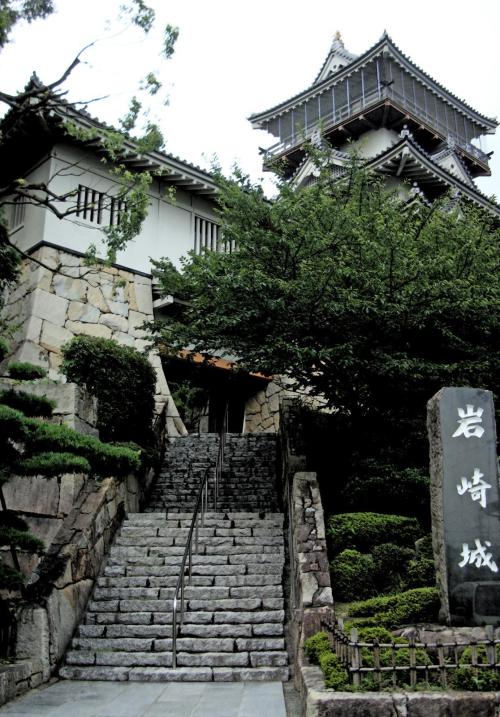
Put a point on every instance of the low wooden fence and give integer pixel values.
(410, 662)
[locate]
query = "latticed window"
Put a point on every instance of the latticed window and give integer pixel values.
(99, 207)
(208, 237)
(18, 212)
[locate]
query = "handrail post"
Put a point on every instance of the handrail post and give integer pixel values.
(174, 633)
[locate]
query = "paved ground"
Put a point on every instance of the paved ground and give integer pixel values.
(135, 699)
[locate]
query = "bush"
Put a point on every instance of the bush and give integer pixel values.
(475, 680)
(387, 488)
(21, 539)
(104, 459)
(352, 575)
(390, 565)
(420, 573)
(423, 547)
(12, 424)
(362, 531)
(336, 675)
(24, 371)
(53, 464)
(418, 605)
(123, 381)
(316, 645)
(27, 403)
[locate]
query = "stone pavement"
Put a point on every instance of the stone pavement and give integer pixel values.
(134, 699)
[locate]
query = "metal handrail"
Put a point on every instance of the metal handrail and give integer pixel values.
(198, 517)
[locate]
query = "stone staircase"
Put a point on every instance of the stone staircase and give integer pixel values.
(249, 472)
(233, 623)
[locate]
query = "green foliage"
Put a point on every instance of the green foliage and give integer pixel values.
(352, 575)
(25, 371)
(12, 423)
(123, 381)
(404, 299)
(387, 488)
(10, 578)
(21, 539)
(420, 573)
(336, 675)
(104, 459)
(362, 531)
(316, 645)
(473, 680)
(417, 605)
(390, 564)
(27, 403)
(53, 464)
(12, 12)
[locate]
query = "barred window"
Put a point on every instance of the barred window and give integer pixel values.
(208, 237)
(18, 212)
(99, 207)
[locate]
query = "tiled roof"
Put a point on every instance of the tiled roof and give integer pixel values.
(385, 41)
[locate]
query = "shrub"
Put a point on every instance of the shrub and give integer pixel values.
(22, 539)
(104, 459)
(27, 403)
(423, 547)
(12, 423)
(389, 565)
(24, 371)
(420, 573)
(53, 464)
(123, 381)
(352, 575)
(475, 680)
(10, 578)
(362, 531)
(387, 488)
(418, 605)
(336, 675)
(316, 645)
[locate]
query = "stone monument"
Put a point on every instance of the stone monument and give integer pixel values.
(465, 505)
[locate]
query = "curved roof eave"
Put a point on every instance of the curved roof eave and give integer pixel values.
(426, 160)
(371, 53)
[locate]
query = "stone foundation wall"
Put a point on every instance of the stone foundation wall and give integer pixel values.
(75, 407)
(65, 298)
(77, 518)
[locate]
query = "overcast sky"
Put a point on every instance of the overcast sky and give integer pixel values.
(234, 58)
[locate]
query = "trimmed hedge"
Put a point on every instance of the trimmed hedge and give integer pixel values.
(24, 371)
(104, 459)
(316, 645)
(27, 403)
(363, 531)
(352, 575)
(21, 539)
(417, 605)
(319, 652)
(53, 464)
(12, 424)
(123, 381)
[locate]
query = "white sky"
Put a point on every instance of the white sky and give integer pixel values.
(237, 57)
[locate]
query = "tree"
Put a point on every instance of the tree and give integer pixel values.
(366, 300)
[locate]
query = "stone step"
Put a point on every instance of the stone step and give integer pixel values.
(163, 658)
(157, 566)
(251, 632)
(216, 592)
(181, 674)
(110, 580)
(164, 604)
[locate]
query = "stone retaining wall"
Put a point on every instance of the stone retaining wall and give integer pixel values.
(75, 407)
(66, 298)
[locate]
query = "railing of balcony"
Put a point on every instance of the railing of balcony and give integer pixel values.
(357, 104)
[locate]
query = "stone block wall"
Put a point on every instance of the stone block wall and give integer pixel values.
(65, 298)
(75, 407)
(77, 518)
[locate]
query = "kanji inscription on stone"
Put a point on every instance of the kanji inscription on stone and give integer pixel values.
(465, 504)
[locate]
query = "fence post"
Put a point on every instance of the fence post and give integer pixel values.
(490, 647)
(413, 661)
(355, 657)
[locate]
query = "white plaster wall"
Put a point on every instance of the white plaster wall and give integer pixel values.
(33, 227)
(167, 230)
(372, 142)
(453, 166)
